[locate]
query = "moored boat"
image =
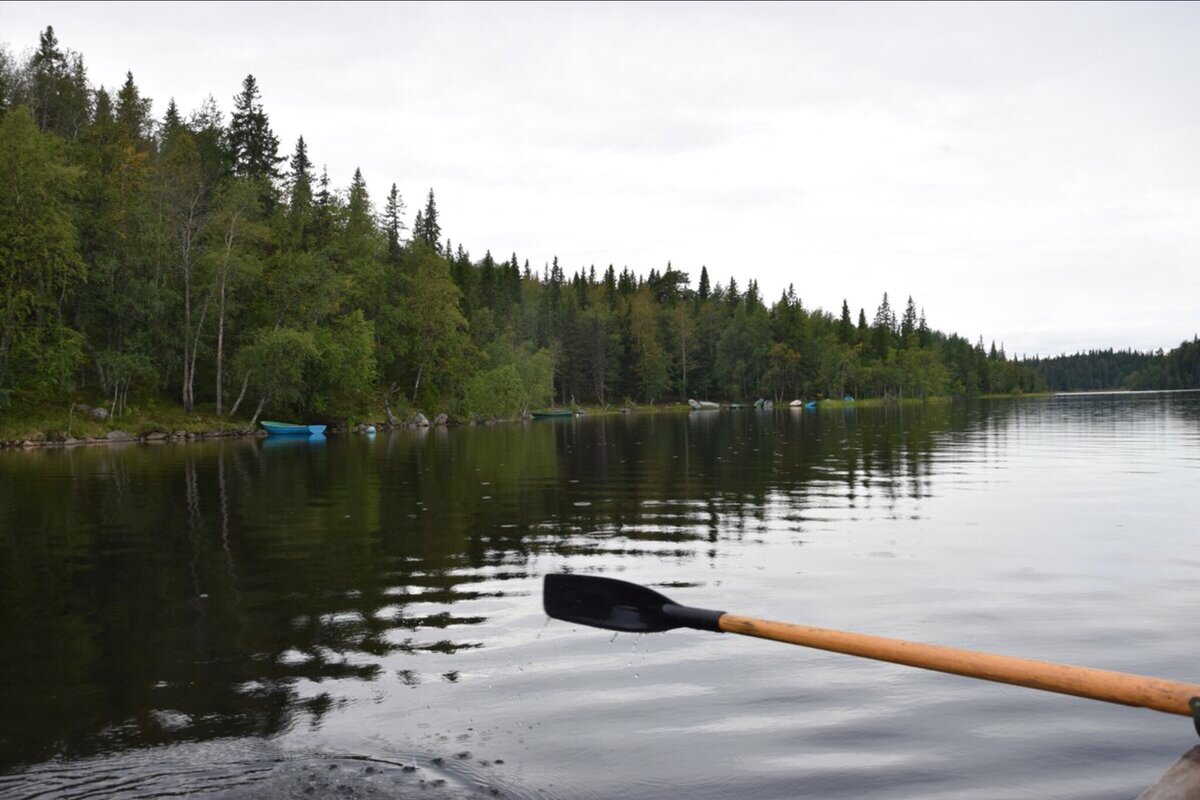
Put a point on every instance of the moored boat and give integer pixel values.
(703, 405)
(811, 405)
(290, 429)
(796, 404)
(554, 412)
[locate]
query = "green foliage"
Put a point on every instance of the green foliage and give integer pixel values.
(40, 267)
(276, 361)
(433, 342)
(343, 369)
(496, 393)
(253, 147)
(1099, 370)
(213, 278)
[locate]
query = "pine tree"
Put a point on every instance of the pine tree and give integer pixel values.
(703, 289)
(923, 337)
(253, 147)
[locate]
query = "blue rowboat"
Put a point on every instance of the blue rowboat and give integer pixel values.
(288, 429)
(810, 405)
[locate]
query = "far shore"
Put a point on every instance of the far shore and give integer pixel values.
(155, 424)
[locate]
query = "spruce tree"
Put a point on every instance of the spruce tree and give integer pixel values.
(300, 169)
(56, 88)
(908, 324)
(253, 147)
(104, 110)
(133, 111)
(426, 227)
(172, 122)
(419, 227)
(48, 68)
(885, 318)
(300, 210)
(703, 288)
(393, 223)
(845, 325)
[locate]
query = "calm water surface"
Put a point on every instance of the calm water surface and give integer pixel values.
(202, 618)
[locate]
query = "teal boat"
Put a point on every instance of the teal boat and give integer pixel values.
(288, 429)
(553, 413)
(811, 405)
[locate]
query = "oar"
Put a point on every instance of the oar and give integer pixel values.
(622, 606)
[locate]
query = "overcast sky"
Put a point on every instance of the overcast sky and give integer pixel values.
(1026, 172)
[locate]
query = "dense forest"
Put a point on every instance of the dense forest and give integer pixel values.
(1098, 370)
(186, 256)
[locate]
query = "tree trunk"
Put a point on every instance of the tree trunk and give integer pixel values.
(187, 334)
(223, 279)
(387, 404)
(241, 394)
(220, 341)
(417, 385)
(262, 401)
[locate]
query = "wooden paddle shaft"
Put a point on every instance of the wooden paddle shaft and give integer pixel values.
(1097, 684)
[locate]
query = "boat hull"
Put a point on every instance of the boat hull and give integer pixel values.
(288, 429)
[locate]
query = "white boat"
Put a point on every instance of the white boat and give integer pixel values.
(703, 405)
(796, 404)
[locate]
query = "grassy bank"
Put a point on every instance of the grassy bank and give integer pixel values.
(38, 423)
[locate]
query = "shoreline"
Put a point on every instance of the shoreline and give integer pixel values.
(41, 432)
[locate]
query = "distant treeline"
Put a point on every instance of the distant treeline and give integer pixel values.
(1098, 370)
(184, 256)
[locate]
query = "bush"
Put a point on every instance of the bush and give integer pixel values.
(495, 393)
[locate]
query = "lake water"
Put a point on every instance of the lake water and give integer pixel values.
(240, 618)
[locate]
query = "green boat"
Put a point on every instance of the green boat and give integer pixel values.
(553, 413)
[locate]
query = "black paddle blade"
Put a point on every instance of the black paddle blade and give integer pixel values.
(607, 603)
